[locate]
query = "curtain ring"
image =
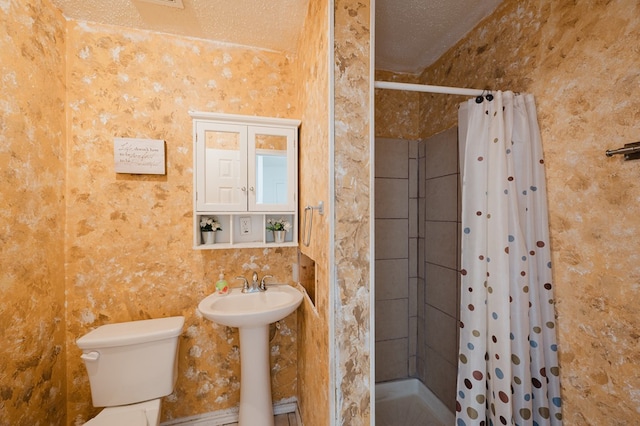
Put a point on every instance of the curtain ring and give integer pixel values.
(482, 97)
(489, 96)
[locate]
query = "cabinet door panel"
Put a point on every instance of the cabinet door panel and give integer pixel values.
(221, 167)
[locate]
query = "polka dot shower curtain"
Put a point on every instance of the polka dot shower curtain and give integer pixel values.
(508, 370)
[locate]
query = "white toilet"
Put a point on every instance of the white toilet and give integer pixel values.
(131, 366)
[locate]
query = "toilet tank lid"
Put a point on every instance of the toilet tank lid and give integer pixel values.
(129, 333)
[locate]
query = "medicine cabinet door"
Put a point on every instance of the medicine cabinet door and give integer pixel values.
(221, 162)
(272, 170)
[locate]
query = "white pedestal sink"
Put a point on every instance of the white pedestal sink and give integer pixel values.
(252, 313)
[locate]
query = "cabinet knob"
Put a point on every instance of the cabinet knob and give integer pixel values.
(251, 188)
(244, 189)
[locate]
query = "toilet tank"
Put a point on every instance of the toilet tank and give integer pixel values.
(130, 362)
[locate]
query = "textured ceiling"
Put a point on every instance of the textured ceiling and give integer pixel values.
(266, 24)
(410, 34)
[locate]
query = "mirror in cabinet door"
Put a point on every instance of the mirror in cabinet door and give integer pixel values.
(272, 169)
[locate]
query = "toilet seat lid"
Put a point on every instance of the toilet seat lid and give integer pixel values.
(120, 418)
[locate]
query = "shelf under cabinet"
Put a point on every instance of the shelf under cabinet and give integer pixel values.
(232, 237)
(219, 246)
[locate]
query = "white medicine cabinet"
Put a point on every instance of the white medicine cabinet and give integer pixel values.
(246, 176)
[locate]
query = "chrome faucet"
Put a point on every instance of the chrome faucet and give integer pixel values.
(263, 285)
(245, 285)
(255, 286)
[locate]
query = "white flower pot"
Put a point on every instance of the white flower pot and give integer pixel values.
(208, 237)
(278, 236)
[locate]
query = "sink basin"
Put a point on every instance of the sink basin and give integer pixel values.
(252, 313)
(237, 309)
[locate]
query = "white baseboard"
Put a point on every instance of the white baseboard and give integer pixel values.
(230, 415)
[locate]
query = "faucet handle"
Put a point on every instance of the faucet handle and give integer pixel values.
(245, 285)
(263, 285)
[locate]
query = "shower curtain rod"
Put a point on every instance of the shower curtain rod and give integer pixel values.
(427, 88)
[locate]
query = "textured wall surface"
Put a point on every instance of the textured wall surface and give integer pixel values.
(129, 237)
(32, 214)
(580, 60)
(353, 210)
(312, 66)
(127, 246)
(397, 112)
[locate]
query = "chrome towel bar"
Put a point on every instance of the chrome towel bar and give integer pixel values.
(631, 151)
(306, 233)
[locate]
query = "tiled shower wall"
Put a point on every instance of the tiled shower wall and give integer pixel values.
(396, 276)
(439, 254)
(417, 259)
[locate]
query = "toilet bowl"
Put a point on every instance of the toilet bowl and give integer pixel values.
(141, 414)
(131, 366)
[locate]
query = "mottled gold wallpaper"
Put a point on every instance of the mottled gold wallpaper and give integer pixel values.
(129, 237)
(397, 112)
(581, 60)
(312, 66)
(352, 177)
(120, 245)
(32, 214)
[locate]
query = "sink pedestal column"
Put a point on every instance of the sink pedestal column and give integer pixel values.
(256, 407)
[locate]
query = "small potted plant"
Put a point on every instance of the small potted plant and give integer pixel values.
(279, 227)
(208, 228)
